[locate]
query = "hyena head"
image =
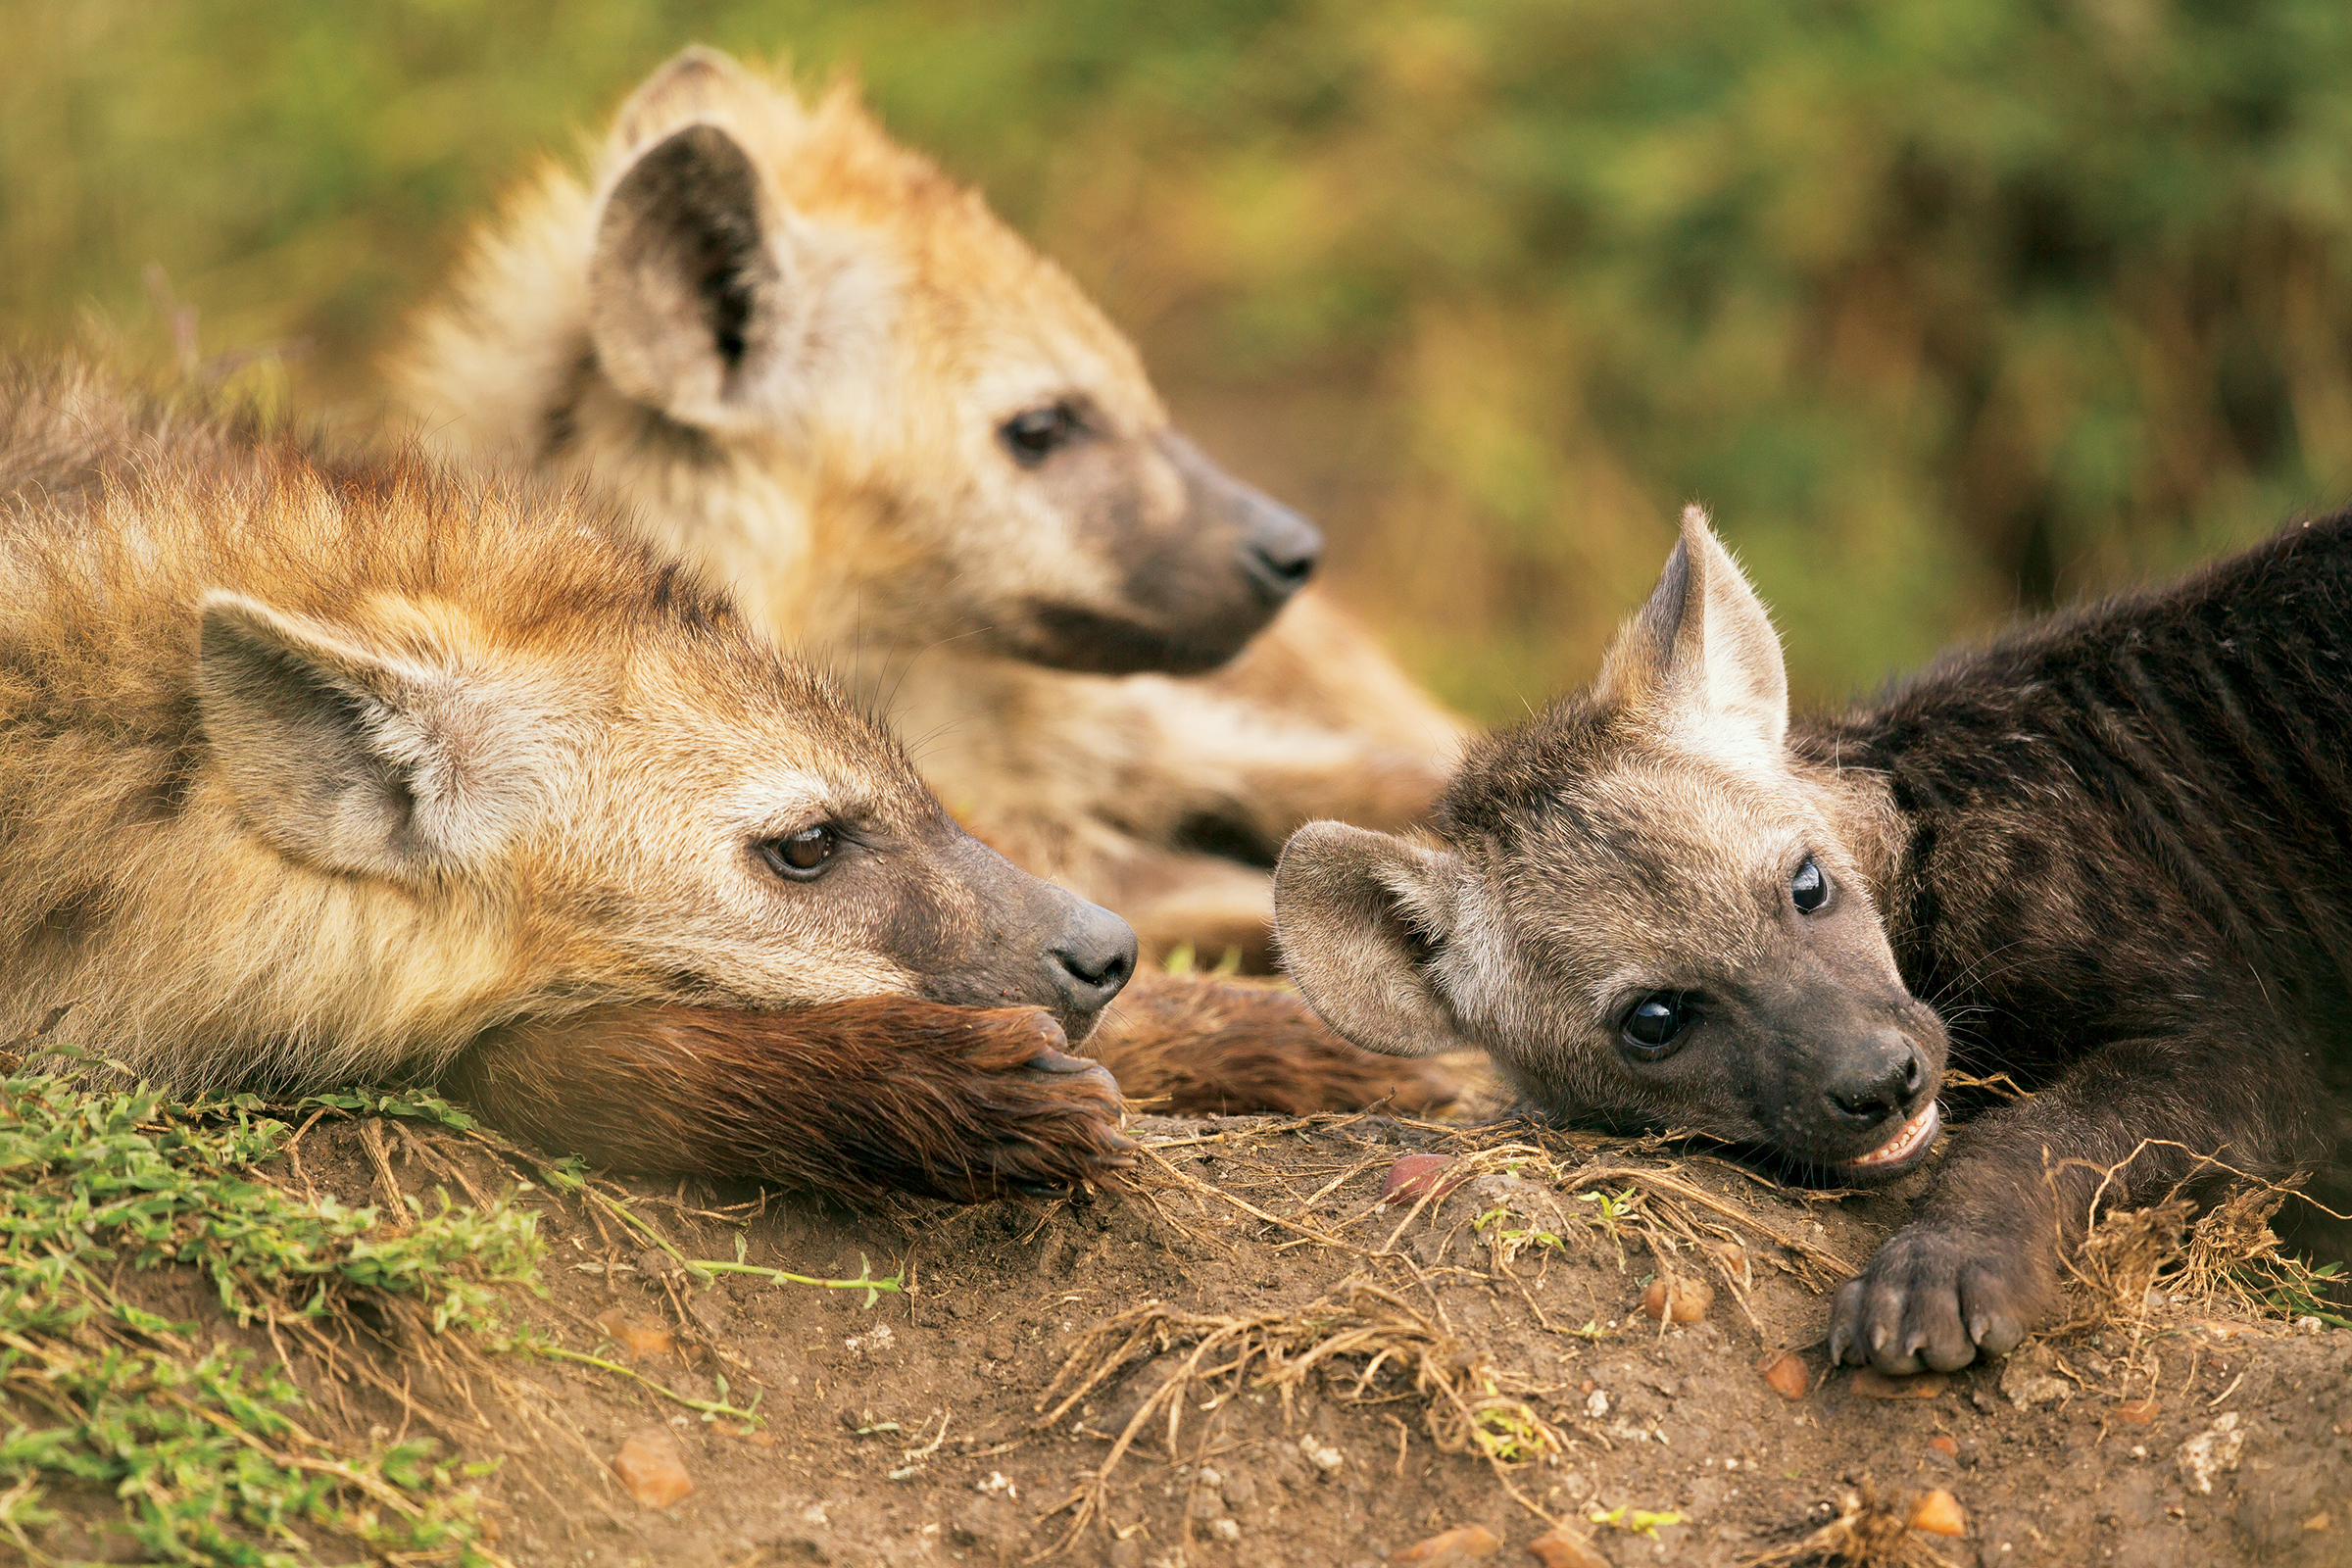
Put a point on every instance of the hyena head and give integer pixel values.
(1643, 908)
(625, 794)
(838, 383)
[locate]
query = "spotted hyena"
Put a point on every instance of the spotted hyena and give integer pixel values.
(829, 378)
(2113, 849)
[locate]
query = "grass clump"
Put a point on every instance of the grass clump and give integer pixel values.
(205, 1446)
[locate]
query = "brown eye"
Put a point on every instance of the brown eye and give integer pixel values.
(801, 855)
(1036, 435)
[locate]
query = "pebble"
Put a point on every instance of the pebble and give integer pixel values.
(1414, 1177)
(1225, 1529)
(1788, 1376)
(1562, 1547)
(638, 1339)
(2212, 1453)
(1938, 1512)
(2139, 1412)
(1872, 1384)
(1686, 1301)
(1451, 1549)
(1945, 1444)
(1321, 1455)
(651, 1467)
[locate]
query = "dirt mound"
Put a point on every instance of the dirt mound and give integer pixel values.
(1252, 1358)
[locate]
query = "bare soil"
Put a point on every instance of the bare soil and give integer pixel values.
(1335, 1365)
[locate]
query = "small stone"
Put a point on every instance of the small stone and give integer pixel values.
(1596, 1405)
(2318, 1522)
(1562, 1547)
(1945, 1443)
(1786, 1374)
(652, 1468)
(1451, 1549)
(1872, 1384)
(2139, 1412)
(1240, 1490)
(1414, 1177)
(1674, 1299)
(1938, 1512)
(1225, 1529)
(2212, 1453)
(1321, 1455)
(636, 1338)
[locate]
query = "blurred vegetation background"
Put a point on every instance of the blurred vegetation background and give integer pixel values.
(1945, 306)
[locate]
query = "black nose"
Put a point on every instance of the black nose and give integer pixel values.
(1881, 1084)
(1280, 548)
(1094, 958)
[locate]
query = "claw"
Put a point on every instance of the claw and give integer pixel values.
(1058, 1062)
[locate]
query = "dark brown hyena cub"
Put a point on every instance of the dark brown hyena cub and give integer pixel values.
(2113, 849)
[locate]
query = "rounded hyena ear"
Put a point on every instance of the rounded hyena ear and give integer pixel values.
(1359, 918)
(709, 298)
(356, 759)
(1703, 650)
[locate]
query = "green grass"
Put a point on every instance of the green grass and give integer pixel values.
(210, 1450)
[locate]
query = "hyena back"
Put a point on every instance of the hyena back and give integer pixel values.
(318, 772)
(830, 378)
(2112, 848)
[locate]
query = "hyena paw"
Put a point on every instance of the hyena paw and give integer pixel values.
(1938, 1297)
(1048, 1124)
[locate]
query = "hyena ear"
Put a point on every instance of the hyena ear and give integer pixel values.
(355, 760)
(707, 298)
(1703, 646)
(1359, 918)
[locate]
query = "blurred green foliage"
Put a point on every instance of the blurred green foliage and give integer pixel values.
(1944, 306)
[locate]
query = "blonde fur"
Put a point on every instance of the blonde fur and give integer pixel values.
(317, 772)
(847, 480)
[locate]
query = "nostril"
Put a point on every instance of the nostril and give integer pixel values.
(1107, 970)
(1291, 565)
(1913, 1071)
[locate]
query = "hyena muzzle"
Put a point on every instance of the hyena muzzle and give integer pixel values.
(323, 770)
(2114, 850)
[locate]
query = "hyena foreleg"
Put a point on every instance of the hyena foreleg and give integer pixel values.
(2123, 1127)
(851, 1098)
(1195, 1045)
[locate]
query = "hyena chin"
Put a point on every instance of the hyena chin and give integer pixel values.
(320, 772)
(2117, 845)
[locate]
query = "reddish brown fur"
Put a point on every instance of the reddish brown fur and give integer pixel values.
(1195, 1045)
(852, 1099)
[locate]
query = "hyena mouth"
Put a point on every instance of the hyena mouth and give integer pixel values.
(1910, 1139)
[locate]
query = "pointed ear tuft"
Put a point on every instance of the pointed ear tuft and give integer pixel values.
(695, 80)
(1359, 916)
(1703, 650)
(357, 760)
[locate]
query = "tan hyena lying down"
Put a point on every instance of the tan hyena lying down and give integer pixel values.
(824, 374)
(326, 773)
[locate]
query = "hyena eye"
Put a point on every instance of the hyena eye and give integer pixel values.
(1657, 1025)
(1036, 435)
(801, 855)
(1809, 889)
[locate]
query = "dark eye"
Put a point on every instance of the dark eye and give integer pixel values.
(801, 855)
(1036, 435)
(1809, 889)
(1658, 1023)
